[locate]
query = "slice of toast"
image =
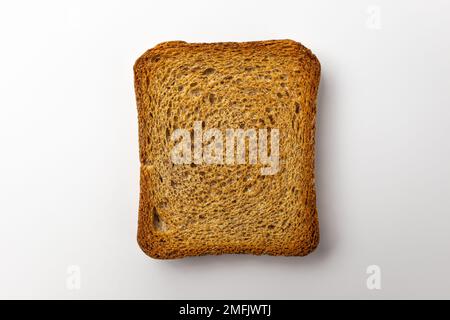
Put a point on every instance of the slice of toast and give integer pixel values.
(226, 139)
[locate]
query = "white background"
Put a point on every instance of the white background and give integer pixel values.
(69, 148)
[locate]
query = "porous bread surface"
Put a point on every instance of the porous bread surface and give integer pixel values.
(188, 210)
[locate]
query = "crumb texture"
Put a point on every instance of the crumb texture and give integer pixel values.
(202, 209)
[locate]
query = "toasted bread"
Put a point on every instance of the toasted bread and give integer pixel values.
(197, 207)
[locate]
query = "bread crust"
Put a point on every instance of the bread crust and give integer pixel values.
(280, 216)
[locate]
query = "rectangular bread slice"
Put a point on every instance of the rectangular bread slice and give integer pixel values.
(226, 139)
